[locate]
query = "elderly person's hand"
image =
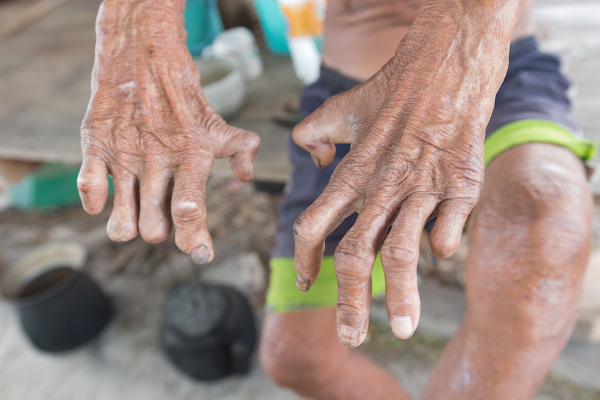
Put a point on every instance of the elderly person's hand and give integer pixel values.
(149, 127)
(417, 131)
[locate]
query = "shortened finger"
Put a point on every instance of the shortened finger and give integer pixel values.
(188, 210)
(447, 231)
(353, 261)
(92, 183)
(155, 200)
(327, 125)
(123, 221)
(399, 255)
(241, 148)
(312, 227)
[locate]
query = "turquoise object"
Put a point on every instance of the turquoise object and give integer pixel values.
(274, 27)
(50, 186)
(202, 23)
(273, 24)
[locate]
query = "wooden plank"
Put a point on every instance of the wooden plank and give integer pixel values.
(28, 15)
(48, 78)
(48, 69)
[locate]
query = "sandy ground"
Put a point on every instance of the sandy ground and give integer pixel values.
(126, 361)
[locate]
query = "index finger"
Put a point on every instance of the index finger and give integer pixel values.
(312, 227)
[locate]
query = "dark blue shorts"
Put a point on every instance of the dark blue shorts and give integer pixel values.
(531, 106)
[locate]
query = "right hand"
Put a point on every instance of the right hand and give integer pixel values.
(149, 127)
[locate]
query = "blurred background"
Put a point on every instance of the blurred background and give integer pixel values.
(252, 74)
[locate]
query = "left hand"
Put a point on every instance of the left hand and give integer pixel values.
(417, 130)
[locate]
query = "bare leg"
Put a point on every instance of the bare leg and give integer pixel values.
(530, 243)
(301, 351)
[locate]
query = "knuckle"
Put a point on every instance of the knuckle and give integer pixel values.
(353, 313)
(401, 255)
(213, 121)
(204, 162)
(252, 142)
(87, 183)
(349, 274)
(305, 229)
(354, 261)
(188, 209)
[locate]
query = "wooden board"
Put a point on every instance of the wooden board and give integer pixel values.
(45, 86)
(44, 81)
(45, 72)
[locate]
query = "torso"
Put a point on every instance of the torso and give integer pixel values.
(362, 35)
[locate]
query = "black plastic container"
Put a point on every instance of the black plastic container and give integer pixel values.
(59, 306)
(208, 331)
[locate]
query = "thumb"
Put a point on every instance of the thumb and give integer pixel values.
(329, 124)
(241, 148)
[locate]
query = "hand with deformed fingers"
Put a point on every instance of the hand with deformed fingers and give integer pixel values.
(416, 130)
(149, 127)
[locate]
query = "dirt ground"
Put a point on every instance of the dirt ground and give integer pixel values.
(241, 220)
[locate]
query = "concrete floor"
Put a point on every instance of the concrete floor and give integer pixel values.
(126, 363)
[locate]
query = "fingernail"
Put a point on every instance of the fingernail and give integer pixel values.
(200, 255)
(316, 161)
(302, 283)
(402, 327)
(348, 336)
(251, 173)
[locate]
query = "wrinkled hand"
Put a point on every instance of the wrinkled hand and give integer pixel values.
(417, 131)
(149, 127)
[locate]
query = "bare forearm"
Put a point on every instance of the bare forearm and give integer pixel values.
(149, 127)
(417, 129)
(143, 25)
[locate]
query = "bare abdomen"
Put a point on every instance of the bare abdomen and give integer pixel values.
(362, 35)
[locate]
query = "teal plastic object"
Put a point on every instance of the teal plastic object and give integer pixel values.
(50, 186)
(202, 23)
(273, 24)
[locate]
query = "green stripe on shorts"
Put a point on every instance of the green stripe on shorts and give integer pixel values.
(284, 296)
(536, 130)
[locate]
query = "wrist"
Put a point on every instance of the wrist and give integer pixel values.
(490, 18)
(141, 13)
(473, 33)
(145, 23)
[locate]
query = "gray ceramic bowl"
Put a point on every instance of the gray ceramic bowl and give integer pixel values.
(223, 85)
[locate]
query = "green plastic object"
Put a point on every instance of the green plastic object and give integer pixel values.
(50, 186)
(202, 23)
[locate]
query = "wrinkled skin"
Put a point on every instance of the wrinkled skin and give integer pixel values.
(417, 130)
(149, 127)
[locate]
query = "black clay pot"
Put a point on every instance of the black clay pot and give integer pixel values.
(208, 331)
(60, 307)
